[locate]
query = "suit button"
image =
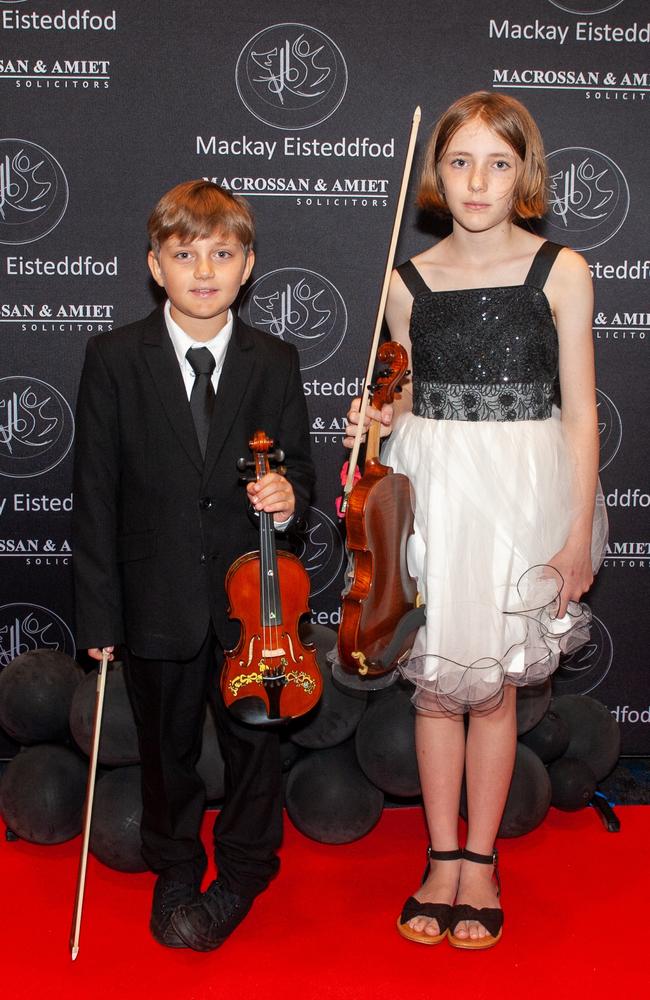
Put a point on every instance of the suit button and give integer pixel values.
(203, 559)
(205, 503)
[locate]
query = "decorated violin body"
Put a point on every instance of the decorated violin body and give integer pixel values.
(271, 675)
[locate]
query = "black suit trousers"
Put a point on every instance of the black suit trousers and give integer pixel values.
(169, 701)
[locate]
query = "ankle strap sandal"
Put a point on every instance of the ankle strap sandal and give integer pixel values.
(441, 912)
(455, 855)
(490, 917)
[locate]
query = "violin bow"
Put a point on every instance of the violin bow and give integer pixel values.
(88, 807)
(354, 454)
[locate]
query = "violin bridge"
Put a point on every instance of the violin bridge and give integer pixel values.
(273, 652)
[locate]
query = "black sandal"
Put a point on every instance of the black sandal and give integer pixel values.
(442, 912)
(490, 917)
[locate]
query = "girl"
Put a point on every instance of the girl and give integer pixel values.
(507, 530)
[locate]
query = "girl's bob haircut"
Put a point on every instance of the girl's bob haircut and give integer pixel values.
(511, 122)
(195, 210)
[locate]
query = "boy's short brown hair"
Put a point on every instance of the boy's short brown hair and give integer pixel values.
(196, 209)
(512, 122)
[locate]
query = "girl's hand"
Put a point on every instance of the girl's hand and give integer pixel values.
(385, 415)
(273, 494)
(97, 654)
(573, 562)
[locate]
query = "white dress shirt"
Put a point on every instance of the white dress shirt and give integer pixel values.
(182, 342)
(218, 346)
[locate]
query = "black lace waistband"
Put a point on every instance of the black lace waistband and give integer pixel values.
(498, 401)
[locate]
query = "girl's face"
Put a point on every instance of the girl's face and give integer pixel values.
(478, 171)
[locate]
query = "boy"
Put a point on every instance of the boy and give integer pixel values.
(159, 517)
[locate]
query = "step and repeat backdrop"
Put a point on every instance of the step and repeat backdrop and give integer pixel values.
(303, 108)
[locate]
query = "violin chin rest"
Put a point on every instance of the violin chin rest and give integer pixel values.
(253, 712)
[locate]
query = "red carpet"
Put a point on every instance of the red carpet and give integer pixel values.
(576, 902)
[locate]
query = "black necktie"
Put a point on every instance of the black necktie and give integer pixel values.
(202, 395)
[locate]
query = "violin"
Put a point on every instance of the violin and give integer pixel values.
(271, 675)
(379, 615)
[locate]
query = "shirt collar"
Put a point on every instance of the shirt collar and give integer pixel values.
(182, 341)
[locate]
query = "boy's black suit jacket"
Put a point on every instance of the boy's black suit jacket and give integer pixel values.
(155, 527)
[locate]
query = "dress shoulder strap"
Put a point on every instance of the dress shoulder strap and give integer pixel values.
(412, 278)
(542, 263)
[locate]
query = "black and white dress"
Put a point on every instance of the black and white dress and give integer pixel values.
(495, 490)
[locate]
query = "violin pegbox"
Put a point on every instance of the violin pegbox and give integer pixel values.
(394, 360)
(265, 461)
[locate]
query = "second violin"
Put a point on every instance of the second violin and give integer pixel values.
(271, 676)
(379, 616)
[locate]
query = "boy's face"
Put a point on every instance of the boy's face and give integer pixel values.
(201, 278)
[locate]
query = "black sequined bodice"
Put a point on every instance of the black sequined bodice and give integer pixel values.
(483, 353)
(484, 335)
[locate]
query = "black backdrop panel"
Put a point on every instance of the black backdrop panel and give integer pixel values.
(305, 109)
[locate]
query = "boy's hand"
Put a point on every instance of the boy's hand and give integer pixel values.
(385, 415)
(97, 654)
(274, 495)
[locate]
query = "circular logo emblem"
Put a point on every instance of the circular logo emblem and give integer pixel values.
(25, 627)
(36, 427)
(322, 550)
(291, 76)
(588, 197)
(610, 428)
(584, 670)
(33, 191)
(586, 6)
(301, 307)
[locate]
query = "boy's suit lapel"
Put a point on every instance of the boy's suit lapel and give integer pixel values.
(163, 364)
(233, 382)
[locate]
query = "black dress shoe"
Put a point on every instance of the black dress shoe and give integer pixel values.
(205, 924)
(169, 893)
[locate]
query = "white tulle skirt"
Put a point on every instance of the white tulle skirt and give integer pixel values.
(494, 502)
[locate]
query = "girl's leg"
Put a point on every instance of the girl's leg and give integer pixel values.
(490, 756)
(440, 745)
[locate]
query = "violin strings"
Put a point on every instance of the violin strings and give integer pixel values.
(273, 584)
(269, 586)
(259, 470)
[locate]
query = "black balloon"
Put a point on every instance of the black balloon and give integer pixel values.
(118, 742)
(529, 797)
(117, 815)
(36, 691)
(338, 712)
(329, 797)
(211, 765)
(385, 743)
(549, 738)
(594, 733)
(42, 793)
(532, 702)
(573, 783)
